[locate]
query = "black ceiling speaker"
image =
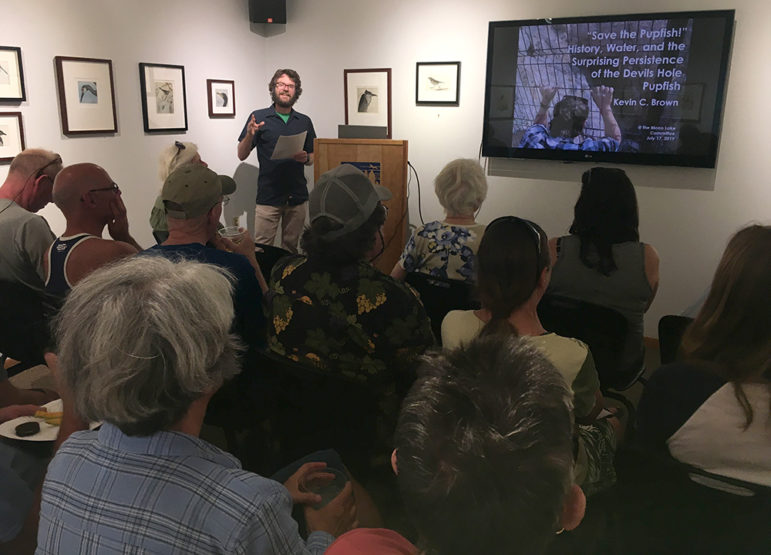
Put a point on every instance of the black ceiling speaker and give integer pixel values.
(267, 11)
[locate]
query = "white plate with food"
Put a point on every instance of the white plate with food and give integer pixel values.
(47, 431)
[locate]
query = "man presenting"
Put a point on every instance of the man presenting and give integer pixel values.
(282, 192)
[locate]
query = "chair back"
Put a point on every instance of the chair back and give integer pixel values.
(440, 296)
(320, 410)
(24, 314)
(671, 330)
(603, 329)
(267, 256)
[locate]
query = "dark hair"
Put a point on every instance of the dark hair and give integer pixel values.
(511, 256)
(733, 327)
(605, 214)
(484, 449)
(293, 75)
(569, 116)
(345, 250)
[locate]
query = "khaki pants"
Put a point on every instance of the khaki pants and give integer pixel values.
(292, 218)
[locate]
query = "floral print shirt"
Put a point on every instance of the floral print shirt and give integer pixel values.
(443, 250)
(355, 321)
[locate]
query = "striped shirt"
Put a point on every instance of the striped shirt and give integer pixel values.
(106, 492)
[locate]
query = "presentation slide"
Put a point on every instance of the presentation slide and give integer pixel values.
(632, 86)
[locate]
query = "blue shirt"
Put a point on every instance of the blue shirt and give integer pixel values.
(106, 492)
(249, 320)
(537, 136)
(280, 182)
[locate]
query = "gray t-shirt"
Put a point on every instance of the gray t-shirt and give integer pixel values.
(24, 240)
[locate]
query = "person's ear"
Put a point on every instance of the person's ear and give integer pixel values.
(215, 213)
(394, 464)
(573, 509)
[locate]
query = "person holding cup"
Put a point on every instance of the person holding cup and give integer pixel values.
(193, 197)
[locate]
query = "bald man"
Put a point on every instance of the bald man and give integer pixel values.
(89, 200)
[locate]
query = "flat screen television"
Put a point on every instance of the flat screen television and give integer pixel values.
(636, 89)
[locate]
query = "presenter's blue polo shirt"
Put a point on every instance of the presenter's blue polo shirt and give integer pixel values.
(280, 182)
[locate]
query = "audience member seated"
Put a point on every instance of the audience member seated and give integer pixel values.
(193, 197)
(512, 274)
(711, 411)
(89, 200)
(172, 157)
(142, 345)
(602, 261)
(332, 309)
(24, 239)
(24, 236)
(447, 248)
(484, 451)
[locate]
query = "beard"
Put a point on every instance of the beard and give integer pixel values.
(283, 103)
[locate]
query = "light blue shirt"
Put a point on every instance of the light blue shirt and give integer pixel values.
(106, 492)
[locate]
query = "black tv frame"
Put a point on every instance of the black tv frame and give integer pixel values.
(707, 160)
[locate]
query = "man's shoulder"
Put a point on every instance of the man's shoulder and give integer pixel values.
(300, 115)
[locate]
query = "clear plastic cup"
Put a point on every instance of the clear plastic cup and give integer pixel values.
(232, 232)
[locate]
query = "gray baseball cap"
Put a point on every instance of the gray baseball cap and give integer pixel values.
(346, 196)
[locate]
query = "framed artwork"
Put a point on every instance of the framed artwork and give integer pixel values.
(437, 83)
(164, 104)
(690, 101)
(368, 97)
(11, 75)
(222, 98)
(11, 136)
(86, 95)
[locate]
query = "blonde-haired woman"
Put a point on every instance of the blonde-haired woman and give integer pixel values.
(447, 249)
(172, 157)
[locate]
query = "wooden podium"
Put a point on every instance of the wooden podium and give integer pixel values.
(385, 162)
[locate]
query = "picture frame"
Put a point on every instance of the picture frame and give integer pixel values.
(11, 136)
(11, 75)
(437, 83)
(86, 95)
(164, 101)
(222, 98)
(368, 97)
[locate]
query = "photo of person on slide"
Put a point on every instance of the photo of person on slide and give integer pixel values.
(566, 129)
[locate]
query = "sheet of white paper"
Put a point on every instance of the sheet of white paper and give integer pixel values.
(288, 145)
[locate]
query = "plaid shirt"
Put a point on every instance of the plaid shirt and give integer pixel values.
(538, 137)
(106, 492)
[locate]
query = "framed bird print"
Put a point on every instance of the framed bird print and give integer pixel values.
(164, 104)
(86, 95)
(437, 83)
(11, 136)
(222, 98)
(368, 97)
(11, 75)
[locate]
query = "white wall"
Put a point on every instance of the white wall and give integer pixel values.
(686, 213)
(212, 40)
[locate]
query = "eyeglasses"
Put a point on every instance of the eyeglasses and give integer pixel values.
(225, 200)
(56, 160)
(114, 188)
(281, 85)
